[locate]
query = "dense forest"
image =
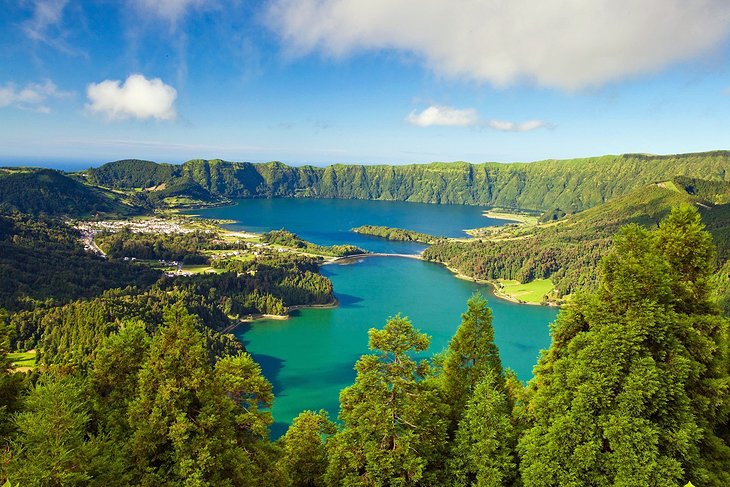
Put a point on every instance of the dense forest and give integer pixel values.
(634, 390)
(42, 263)
(572, 185)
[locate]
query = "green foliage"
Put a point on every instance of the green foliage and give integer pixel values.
(288, 239)
(393, 425)
(399, 234)
(241, 378)
(131, 173)
(483, 453)
(186, 424)
(10, 383)
(114, 375)
(471, 357)
(43, 263)
(572, 185)
(183, 247)
(568, 251)
(720, 284)
(55, 444)
(304, 454)
(623, 395)
(50, 192)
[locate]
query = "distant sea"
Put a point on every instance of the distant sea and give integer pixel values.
(68, 165)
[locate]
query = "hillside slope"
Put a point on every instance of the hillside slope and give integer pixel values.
(50, 192)
(569, 250)
(572, 185)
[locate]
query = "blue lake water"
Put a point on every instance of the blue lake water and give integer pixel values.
(309, 358)
(330, 221)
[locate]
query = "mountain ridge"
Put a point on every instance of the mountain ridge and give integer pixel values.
(572, 184)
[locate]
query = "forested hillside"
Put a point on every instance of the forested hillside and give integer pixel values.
(46, 191)
(568, 251)
(572, 185)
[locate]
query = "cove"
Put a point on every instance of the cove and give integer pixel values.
(310, 357)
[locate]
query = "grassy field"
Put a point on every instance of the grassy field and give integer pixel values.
(531, 292)
(200, 269)
(22, 360)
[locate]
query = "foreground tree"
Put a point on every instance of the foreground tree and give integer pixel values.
(471, 356)
(186, 427)
(625, 394)
(394, 424)
(304, 456)
(55, 444)
(483, 451)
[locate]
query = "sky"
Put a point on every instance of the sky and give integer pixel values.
(360, 81)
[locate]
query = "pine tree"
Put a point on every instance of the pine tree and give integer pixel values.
(393, 422)
(618, 399)
(114, 375)
(470, 357)
(183, 423)
(304, 454)
(55, 445)
(483, 454)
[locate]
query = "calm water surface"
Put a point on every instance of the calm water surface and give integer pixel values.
(309, 358)
(329, 221)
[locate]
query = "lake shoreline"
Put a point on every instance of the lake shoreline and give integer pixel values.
(504, 215)
(495, 288)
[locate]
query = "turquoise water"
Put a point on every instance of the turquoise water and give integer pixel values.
(310, 357)
(329, 221)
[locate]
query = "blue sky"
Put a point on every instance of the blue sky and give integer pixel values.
(355, 81)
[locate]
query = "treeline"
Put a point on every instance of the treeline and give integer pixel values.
(633, 391)
(572, 185)
(286, 238)
(568, 251)
(399, 234)
(182, 247)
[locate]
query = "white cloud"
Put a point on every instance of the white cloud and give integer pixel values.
(507, 126)
(32, 96)
(468, 117)
(171, 10)
(443, 115)
(46, 14)
(568, 44)
(137, 97)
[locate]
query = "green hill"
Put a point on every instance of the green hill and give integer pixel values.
(572, 185)
(50, 192)
(568, 251)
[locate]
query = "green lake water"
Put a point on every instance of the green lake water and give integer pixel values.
(310, 357)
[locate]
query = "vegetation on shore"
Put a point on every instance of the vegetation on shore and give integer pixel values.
(399, 234)
(288, 239)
